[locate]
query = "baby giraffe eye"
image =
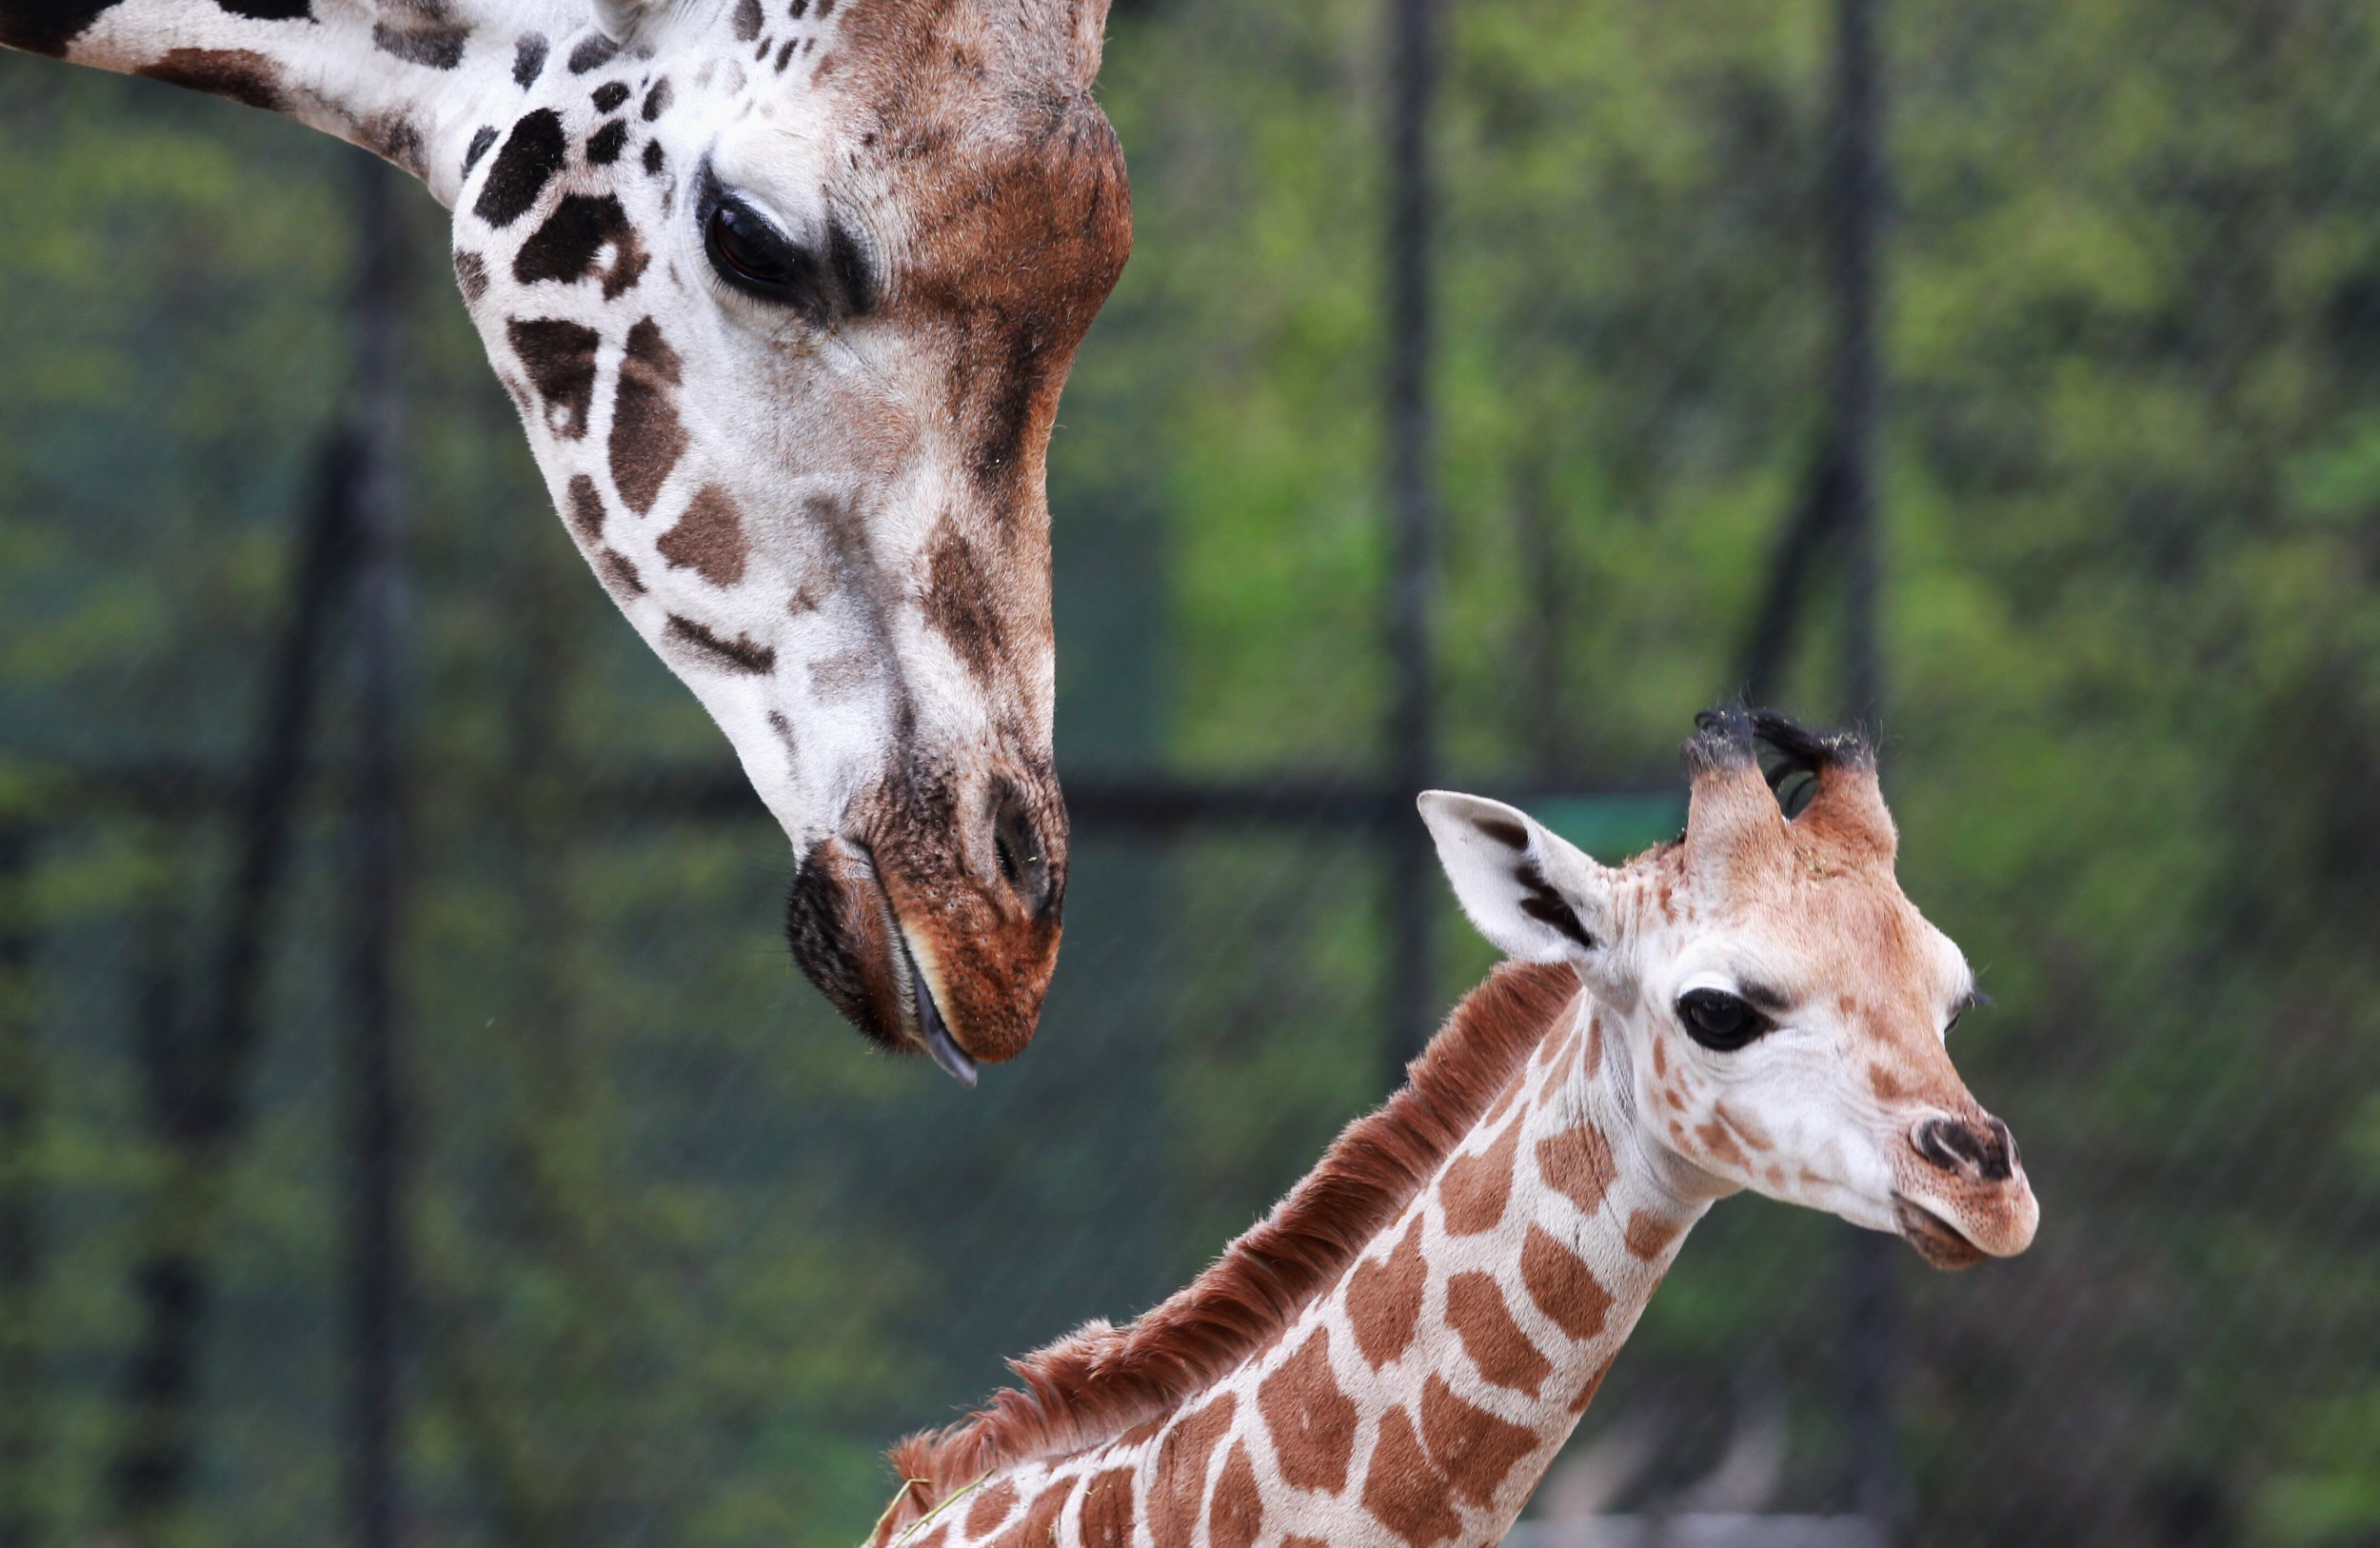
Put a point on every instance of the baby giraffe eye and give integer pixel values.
(1719, 1020)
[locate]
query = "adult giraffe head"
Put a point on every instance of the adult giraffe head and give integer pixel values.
(785, 292)
(1783, 1004)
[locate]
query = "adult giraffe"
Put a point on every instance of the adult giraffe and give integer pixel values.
(1395, 1356)
(785, 294)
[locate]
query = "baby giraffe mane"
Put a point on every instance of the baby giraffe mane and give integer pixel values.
(1101, 1382)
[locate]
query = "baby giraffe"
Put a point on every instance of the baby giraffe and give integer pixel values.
(1395, 1354)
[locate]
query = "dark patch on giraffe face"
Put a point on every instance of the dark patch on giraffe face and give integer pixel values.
(646, 437)
(434, 48)
(586, 514)
(709, 538)
(656, 159)
(270, 10)
(959, 606)
(561, 362)
(530, 157)
(572, 245)
(594, 53)
(609, 96)
(618, 574)
(854, 275)
(471, 276)
(731, 655)
(784, 54)
(657, 100)
(748, 20)
(241, 75)
(604, 145)
(528, 60)
(482, 143)
(395, 138)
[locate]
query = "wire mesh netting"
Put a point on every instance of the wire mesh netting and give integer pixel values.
(682, 1256)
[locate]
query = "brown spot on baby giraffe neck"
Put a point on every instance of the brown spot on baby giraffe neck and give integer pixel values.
(991, 1507)
(560, 358)
(1477, 1312)
(1649, 1235)
(1578, 1164)
(1313, 1423)
(709, 538)
(1384, 1299)
(1478, 1186)
(1564, 1286)
(1471, 1447)
(1038, 1528)
(1405, 1491)
(1236, 1517)
(1107, 1509)
(734, 655)
(240, 74)
(1178, 1477)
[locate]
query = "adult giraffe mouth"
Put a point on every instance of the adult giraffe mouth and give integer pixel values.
(931, 1031)
(848, 939)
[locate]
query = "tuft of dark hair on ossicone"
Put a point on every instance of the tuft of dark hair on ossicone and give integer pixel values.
(1731, 737)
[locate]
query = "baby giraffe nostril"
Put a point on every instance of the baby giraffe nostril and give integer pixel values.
(1988, 1153)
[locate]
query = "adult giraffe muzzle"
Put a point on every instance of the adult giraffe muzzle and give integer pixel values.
(785, 293)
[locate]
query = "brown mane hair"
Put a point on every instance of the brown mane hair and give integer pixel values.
(1101, 1381)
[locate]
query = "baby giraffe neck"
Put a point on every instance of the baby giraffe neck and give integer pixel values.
(1423, 1396)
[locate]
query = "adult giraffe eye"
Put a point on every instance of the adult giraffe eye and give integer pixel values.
(1719, 1020)
(754, 257)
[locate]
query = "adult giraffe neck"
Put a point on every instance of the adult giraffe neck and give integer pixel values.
(1422, 1395)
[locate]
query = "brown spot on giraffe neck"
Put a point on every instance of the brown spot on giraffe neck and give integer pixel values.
(709, 538)
(1474, 1450)
(1649, 1235)
(1477, 1312)
(1108, 1517)
(1037, 1527)
(433, 48)
(560, 358)
(988, 1509)
(646, 437)
(1177, 1475)
(532, 154)
(1478, 1186)
(586, 509)
(1578, 1164)
(1312, 1421)
(1384, 1299)
(1564, 1288)
(1409, 1497)
(1235, 1518)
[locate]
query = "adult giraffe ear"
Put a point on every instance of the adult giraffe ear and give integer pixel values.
(1532, 895)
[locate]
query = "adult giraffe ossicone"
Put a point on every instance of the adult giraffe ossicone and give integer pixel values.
(785, 294)
(1398, 1352)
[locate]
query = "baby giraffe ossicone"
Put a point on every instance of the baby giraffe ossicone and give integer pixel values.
(1397, 1353)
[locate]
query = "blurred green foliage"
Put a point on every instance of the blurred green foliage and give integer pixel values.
(689, 1257)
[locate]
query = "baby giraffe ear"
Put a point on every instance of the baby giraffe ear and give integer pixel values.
(1534, 894)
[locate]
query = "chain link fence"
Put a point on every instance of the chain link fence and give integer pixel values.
(674, 1257)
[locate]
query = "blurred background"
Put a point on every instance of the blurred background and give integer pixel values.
(411, 1127)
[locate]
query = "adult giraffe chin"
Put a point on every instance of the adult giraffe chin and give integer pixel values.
(785, 293)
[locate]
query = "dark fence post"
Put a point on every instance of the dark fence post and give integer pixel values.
(1854, 240)
(1411, 464)
(24, 1386)
(376, 1261)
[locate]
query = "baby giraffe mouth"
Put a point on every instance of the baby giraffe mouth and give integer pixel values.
(1940, 1243)
(931, 1031)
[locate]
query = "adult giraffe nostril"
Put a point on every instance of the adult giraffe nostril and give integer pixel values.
(1986, 1151)
(1022, 853)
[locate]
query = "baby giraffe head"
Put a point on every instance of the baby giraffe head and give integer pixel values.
(1779, 1007)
